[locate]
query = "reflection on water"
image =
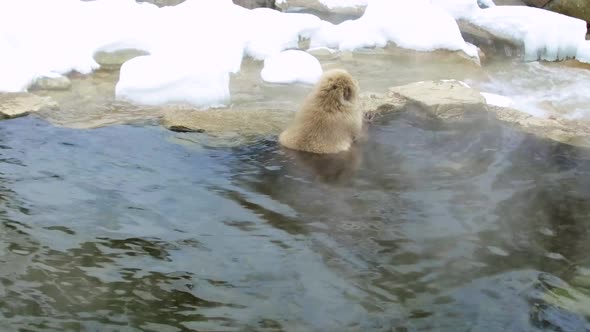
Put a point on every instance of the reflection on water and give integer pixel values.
(424, 228)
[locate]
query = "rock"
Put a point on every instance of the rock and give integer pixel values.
(251, 4)
(536, 3)
(316, 5)
(162, 3)
(454, 101)
(13, 105)
(575, 8)
(509, 3)
(445, 99)
(487, 43)
(52, 82)
(224, 121)
(114, 60)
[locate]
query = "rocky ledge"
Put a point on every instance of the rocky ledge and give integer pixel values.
(444, 102)
(13, 105)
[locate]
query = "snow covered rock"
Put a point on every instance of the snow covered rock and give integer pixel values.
(349, 7)
(402, 23)
(270, 31)
(52, 81)
(291, 66)
(156, 80)
(543, 34)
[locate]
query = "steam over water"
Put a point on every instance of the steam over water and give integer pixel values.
(428, 226)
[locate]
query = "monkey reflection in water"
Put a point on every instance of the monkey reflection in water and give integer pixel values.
(326, 130)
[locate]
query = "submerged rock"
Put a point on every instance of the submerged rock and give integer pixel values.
(53, 82)
(13, 105)
(114, 60)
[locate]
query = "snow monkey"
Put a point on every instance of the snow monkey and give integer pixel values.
(329, 120)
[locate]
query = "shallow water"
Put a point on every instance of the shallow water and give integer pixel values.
(427, 227)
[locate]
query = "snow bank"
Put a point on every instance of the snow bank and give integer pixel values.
(198, 40)
(271, 31)
(545, 35)
(155, 80)
(583, 52)
(194, 46)
(290, 67)
(458, 8)
(412, 24)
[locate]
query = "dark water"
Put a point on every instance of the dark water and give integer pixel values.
(427, 227)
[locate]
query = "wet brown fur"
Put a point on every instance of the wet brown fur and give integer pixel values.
(329, 120)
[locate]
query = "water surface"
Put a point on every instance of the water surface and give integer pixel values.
(427, 227)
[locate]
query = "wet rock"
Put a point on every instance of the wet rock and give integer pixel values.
(445, 99)
(509, 2)
(575, 8)
(114, 60)
(487, 43)
(251, 4)
(454, 101)
(560, 130)
(13, 105)
(226, 121)
(53, 82)
(316, 5)
(559, 306)
(379, 103)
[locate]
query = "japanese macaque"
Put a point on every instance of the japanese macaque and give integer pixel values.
(329, 120)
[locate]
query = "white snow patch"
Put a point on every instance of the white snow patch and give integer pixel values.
(458, 8)
(271, 31)
(497, 100)
(583, 52)
(408, 24)
(155, 80)
(546, 35)
(291, 66)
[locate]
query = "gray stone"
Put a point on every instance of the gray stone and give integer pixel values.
(445, 99)
(251, 4)
(114, 60)
(574, 8)
(509, 3)
(453, 101)
(13, 105)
